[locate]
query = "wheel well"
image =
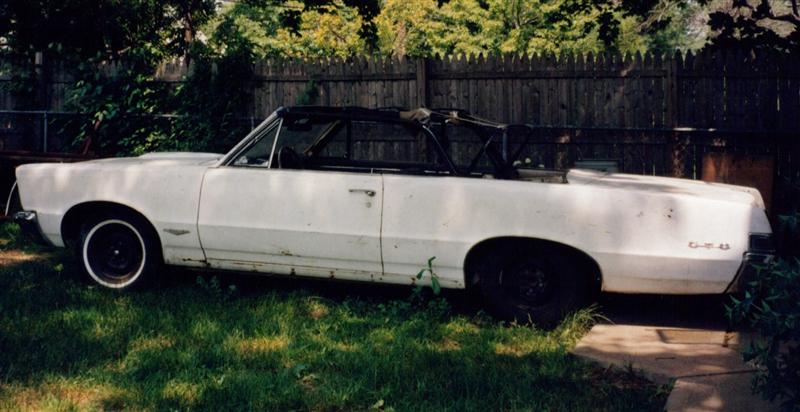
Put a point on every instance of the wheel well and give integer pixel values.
(485, 248)
(78, 214)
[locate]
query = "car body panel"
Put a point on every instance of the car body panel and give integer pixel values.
(250, 217)
(646, 234)
(604, 222)
(164, 189)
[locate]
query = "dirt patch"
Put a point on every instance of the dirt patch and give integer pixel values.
(619, 379)
(63, 395)
(259, 345)
(8, 257)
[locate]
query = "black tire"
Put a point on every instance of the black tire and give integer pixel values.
(119, 252)
(532, 283)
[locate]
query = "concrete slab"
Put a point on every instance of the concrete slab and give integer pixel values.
(663, 354)
(705, 364)
(729, 392)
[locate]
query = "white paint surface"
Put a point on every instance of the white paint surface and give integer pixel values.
(639, 229)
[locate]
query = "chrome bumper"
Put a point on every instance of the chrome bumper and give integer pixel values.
(29, 225)
(760, 254)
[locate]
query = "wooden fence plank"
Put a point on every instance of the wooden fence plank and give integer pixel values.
(756, 96)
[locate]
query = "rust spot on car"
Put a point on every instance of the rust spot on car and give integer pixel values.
(332, 274)
(286, 253)
(252, 267)
(241, 263)
(201, 261)
(292, 272)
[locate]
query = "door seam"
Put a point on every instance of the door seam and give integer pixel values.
(197, 217)
(380, 229)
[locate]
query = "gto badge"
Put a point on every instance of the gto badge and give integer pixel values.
(176, 232)
(721, 246)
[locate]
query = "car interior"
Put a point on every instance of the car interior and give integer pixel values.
(438, 145)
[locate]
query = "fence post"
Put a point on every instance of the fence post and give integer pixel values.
(676, 145)
(42, 100)
(422, 82)
(42, 81)
(44, 138)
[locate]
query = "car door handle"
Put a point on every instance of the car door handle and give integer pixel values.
(367, 192)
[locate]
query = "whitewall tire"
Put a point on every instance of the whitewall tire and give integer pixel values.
(118, 253)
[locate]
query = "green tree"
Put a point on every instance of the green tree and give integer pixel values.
(541, 26)
(461, 29)
(424, 28)
(289, 28)
(109, 29)
(331, 30)
(676, 25)
(406, 27)
(247, 27)
(761, 24)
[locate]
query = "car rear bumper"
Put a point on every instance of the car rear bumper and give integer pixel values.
(28, 222)
(760, 254)
(748, 271)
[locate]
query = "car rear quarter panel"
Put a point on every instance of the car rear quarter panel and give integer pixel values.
(167, 195)
(640, 240)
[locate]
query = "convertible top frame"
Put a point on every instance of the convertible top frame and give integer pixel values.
(492, 134)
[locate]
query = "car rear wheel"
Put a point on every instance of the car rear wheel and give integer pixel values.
(118, 252)
(528, 283)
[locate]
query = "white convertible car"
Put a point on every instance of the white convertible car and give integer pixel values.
(371, 195)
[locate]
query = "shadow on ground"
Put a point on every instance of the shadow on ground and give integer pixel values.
(700, 311)
(279, 344)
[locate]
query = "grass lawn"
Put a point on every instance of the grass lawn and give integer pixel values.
(278, 344)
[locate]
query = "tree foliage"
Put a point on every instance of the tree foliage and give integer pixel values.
(272, 29)
(429, 27)
(110, 29)
(159, 29)
(224, 39)
(756, 24)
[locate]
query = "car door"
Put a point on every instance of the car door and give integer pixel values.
(433, 216)
(254, 217)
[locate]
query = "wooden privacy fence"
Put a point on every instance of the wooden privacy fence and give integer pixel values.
(653, 114)
(725, 90)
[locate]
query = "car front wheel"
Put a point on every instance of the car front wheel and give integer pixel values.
(118, 252)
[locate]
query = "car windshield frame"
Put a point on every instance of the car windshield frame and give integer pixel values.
(252, 137)
(495, 149)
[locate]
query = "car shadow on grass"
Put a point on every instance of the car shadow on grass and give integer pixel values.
(463, 302)
(280, 344)
(695, 311)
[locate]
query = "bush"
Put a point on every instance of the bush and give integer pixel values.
(126, 106)
(771, 305)
(787, 234)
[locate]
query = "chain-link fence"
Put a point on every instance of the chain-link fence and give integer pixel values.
(57, 132)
